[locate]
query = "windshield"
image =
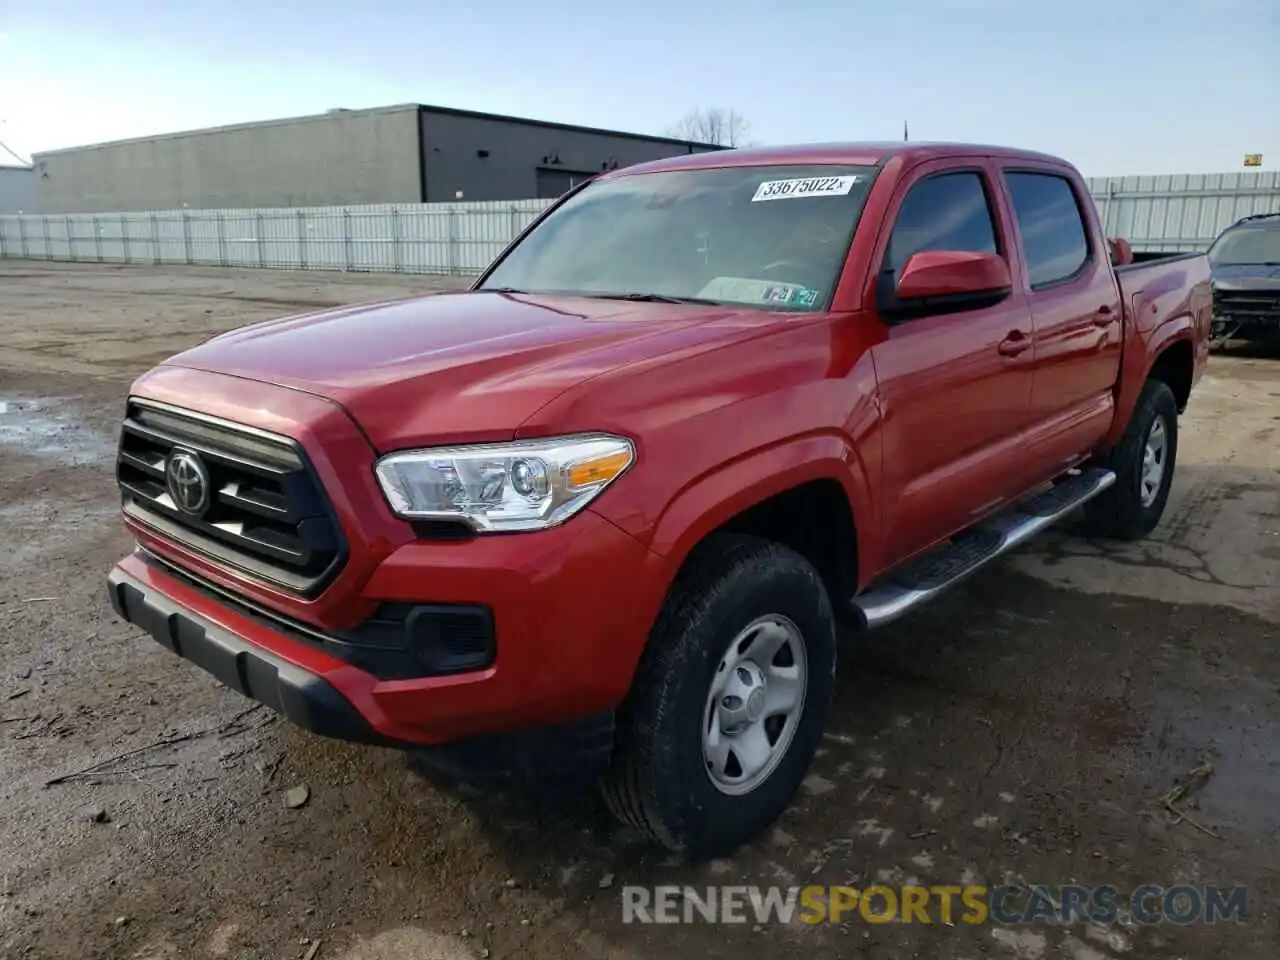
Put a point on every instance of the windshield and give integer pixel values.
(1255, 243)
(767, 236)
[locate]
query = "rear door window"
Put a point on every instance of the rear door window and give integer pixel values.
(1053, 233)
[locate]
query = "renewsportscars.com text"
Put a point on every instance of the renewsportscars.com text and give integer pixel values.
(1146, 904)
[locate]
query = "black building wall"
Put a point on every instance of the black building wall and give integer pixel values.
(469, 156)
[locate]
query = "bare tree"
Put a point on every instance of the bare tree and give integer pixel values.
(719, 125)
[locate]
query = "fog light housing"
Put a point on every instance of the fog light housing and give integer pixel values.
(451, 639)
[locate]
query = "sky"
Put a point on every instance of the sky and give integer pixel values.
(1117, 87)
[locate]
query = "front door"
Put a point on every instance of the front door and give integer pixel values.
(954, 387)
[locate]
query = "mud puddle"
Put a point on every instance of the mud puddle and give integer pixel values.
(1237, 734)
(52, 428)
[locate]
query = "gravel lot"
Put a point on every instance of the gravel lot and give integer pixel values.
(1026, 727)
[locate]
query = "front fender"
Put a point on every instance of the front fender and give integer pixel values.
(718, 496)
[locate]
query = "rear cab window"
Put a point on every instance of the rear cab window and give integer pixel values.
(1055, 242)
(772, 237)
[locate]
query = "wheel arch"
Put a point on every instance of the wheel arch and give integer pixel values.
(1167, 354)
(810, 494)
(1175, 366)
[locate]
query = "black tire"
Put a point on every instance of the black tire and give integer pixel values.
(1119, 512)
(659, 782)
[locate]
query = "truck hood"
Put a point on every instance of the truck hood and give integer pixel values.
(466, 367)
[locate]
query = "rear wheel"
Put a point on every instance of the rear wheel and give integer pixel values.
(730, 701)
(1143, 463)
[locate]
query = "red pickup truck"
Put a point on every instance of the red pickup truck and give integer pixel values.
(605, 510)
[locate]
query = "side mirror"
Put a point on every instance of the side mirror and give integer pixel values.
(953, 275)
(1121, 251)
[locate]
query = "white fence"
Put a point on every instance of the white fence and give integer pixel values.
(438, 238)
(1153, 213)
(1183, 212)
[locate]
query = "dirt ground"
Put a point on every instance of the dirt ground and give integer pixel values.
(1024, 729)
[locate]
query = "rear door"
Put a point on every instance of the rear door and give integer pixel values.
(1076, 306)
(954, 386)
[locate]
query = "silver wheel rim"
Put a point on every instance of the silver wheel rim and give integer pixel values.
(1154, 455)
(754, 705)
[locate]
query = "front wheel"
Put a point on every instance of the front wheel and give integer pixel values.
(1143, 463)
(730, 701)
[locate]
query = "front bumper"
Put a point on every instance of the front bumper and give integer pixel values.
(297, 694)
(572, 608)
(1244, 311)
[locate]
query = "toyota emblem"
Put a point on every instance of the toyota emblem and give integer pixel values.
(187, 480)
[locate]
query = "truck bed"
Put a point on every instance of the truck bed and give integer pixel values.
(1168, 289)
(1184, 273)
(1148, 257)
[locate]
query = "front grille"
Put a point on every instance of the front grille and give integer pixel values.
(266, 514)
(1247, 305)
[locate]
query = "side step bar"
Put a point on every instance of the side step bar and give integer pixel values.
(922, 579)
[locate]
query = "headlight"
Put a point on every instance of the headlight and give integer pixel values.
(523, 485)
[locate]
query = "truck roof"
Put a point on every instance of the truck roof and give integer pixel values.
(858, 154)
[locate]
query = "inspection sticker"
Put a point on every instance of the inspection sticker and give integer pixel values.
(804, 187)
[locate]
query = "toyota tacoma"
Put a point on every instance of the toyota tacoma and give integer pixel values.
(610, 509)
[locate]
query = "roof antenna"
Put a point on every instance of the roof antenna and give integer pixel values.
(904, 131)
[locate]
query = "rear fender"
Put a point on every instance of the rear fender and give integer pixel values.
(1139, 359)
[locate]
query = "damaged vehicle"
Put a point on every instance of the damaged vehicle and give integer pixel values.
(1245, 259)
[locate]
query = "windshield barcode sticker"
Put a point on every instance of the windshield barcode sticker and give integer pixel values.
(804, 187)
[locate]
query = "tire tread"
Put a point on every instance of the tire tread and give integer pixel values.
(1117, 513)
(629, 786)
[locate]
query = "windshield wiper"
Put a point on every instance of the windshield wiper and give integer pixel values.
(653, 298)
(635, 297)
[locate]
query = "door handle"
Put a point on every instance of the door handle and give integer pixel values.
(1104, 317)
(1015, 343)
